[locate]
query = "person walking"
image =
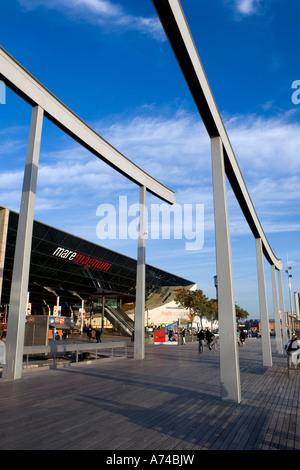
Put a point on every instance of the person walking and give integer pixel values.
(98, 335)
(201, 337)
(182, 334)
(243, 337)
(93, 334)
(238, 334)
(89, 333)
(209, 338)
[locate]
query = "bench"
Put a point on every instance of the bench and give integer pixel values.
(63, 348)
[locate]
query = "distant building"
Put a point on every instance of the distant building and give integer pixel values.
(72, 277)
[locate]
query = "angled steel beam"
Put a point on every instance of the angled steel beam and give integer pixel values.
(31, 90)
(181, 41)
(44, 103)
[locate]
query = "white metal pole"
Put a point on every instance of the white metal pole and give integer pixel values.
(27, 305)
(20, 277)
(139, 317)
(296, 302)
(276, 312)
(229, 364)
(263, 305)
(283, 313)
(82, 310)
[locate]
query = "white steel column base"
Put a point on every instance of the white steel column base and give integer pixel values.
(276, 312)
(229, 366)
(264, 318)
(283, 313)
(20, 277)
(139, 317)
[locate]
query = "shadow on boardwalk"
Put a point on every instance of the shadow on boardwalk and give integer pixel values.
(168, 401)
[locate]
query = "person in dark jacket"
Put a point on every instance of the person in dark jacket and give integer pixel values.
(209, 338)
(98, 335)
(89, 333)
(243, 337)
(182, 334)
(201, 337)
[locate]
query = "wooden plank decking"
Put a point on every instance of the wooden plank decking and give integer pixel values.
(170, 401)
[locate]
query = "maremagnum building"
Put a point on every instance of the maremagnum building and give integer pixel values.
(69, 276)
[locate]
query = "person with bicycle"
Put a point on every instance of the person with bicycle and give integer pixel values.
(209, 336)
(200, 338)
(243, 337)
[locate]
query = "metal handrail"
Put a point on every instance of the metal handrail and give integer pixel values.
(62, 347)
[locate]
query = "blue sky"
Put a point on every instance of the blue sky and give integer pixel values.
(110, 62)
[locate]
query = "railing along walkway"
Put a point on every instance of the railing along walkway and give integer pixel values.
(63, 349)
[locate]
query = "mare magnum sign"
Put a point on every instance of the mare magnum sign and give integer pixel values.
(87, 261)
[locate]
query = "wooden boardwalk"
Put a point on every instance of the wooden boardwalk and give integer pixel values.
(170, 401)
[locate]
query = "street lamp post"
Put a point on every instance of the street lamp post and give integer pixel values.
(290, 291)
(290, 287)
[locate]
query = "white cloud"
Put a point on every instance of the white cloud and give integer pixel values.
(11, 179)
(247, 7)
(155, 143)
(268, 144)
(102, 12)
(176, 151)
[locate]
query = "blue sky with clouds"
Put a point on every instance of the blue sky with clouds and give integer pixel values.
(110, 62)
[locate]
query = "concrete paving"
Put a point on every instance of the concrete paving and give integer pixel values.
(168, 402)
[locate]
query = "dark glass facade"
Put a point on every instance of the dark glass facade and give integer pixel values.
(63, 264)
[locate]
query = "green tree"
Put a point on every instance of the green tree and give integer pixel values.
(211, 310)
(199, 305)
(241, 314)
(193, 300)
